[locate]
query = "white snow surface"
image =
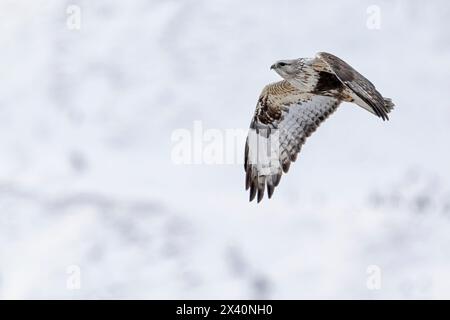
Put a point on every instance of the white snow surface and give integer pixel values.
(87, 177)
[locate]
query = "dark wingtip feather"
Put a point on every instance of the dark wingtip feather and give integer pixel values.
(260, 194)
(246, 156)
(270, 189)
(252, 192)
(247, 178)
(261, 186)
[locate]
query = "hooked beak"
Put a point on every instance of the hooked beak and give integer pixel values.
(273, 66)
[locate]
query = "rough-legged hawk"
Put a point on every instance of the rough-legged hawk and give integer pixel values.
(288, 112)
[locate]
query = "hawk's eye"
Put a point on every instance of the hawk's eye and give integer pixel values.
(282, 64)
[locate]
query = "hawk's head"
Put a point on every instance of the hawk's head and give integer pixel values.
(298, 70)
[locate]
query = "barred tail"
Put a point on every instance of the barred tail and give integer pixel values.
(389, 104)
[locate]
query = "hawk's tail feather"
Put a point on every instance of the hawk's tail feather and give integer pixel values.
(386, 107)
(388, 104)
(381, 106)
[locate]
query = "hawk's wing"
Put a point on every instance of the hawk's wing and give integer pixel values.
(284, 118)
(363, 92)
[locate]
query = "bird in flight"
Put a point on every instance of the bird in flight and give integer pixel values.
(289, 111)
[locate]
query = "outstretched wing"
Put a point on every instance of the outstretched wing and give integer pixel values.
(363, 92)
(284, 118)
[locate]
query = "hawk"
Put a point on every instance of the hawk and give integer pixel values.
(289, 111)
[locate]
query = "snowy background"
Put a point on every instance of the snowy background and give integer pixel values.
(88, 182)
